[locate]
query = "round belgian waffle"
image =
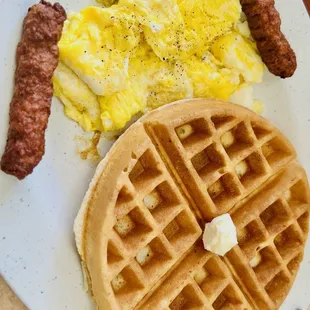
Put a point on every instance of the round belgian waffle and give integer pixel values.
(140, 226)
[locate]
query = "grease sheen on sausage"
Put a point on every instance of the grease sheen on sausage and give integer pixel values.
(37, 57)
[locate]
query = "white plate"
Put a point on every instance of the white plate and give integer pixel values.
(37, 251)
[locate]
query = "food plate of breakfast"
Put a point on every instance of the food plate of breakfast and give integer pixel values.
(154, 154)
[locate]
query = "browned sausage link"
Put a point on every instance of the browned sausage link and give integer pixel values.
(265, 22)
(36, 59)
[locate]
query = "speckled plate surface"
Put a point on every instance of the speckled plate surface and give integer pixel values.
(37, 251)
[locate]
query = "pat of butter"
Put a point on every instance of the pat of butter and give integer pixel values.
(220, 235)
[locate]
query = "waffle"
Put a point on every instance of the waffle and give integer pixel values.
(139, 229)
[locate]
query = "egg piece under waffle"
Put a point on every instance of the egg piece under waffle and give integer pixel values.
(139, 229)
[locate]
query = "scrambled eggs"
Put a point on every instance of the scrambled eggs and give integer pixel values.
(136, 55)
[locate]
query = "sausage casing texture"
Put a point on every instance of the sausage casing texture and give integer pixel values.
(265, 25)
(37, 57)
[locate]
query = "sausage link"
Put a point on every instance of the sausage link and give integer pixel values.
(265, 25)
(36, 59)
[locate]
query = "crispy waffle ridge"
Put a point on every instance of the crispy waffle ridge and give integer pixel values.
(139, 228)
